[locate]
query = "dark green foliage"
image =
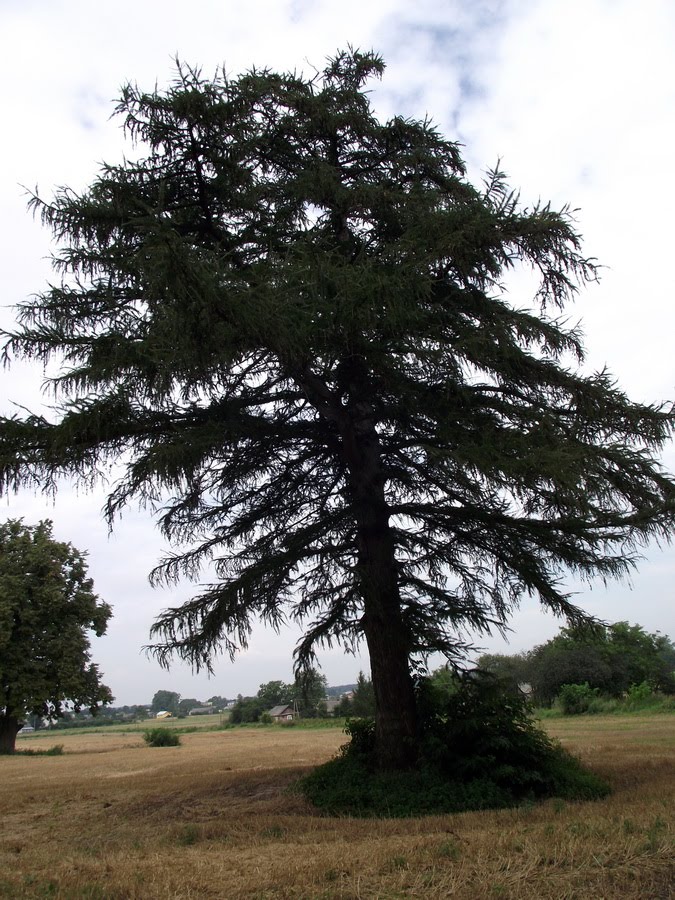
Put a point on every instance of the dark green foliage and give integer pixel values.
(305, 693)
(287, 319)
(513, 670)
(352, 786)
(247, 709)
(478, 749)
(567, 662)
(361, 733)
(665, 651)
(186, 704)
(161, 737)
(482, 730)
(609, 659)
(47, 609)
(166, 701)
(309, 692)
(575, 699)
(581, 699)
(638, 656)
(274, 693)
(362, 703)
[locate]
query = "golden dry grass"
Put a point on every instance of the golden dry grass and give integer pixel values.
(213, 818)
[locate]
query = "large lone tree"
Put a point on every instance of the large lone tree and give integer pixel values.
(47, 608)
(286, 320)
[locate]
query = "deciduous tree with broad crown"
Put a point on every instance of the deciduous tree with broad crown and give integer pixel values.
(47, 608)
(165, 701)
(286, 318)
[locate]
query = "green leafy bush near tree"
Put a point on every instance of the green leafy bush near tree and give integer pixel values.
(479, 748)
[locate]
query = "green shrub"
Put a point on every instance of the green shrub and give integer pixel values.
(575, 699)
(640, 696)
(478, 749)
(161, 737)
(635, 701)
(361, 734)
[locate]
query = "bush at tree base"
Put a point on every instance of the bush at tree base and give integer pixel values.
(479, 749)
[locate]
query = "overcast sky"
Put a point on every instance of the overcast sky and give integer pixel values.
(575, 96)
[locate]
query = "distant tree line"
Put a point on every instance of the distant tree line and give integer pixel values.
(172, 702)
(608, 661)
(309, 696)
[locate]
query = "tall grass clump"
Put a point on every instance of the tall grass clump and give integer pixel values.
(479, 748)
(161, 737)
(56, 750)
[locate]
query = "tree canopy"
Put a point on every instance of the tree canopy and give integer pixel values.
(47, 608)
(165, 701)
(512, 670)
(361, 703)
(288, 319)
(609, 659)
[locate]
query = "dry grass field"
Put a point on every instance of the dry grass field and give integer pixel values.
(112, 818)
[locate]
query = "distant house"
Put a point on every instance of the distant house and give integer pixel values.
(201, 711)
(283, 713)
(164, 714)
(331, 704)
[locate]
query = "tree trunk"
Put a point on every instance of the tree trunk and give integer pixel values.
(9, 728)
(389, 643)
(396, 712)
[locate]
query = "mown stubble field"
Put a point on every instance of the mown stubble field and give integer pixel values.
(214, 818)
